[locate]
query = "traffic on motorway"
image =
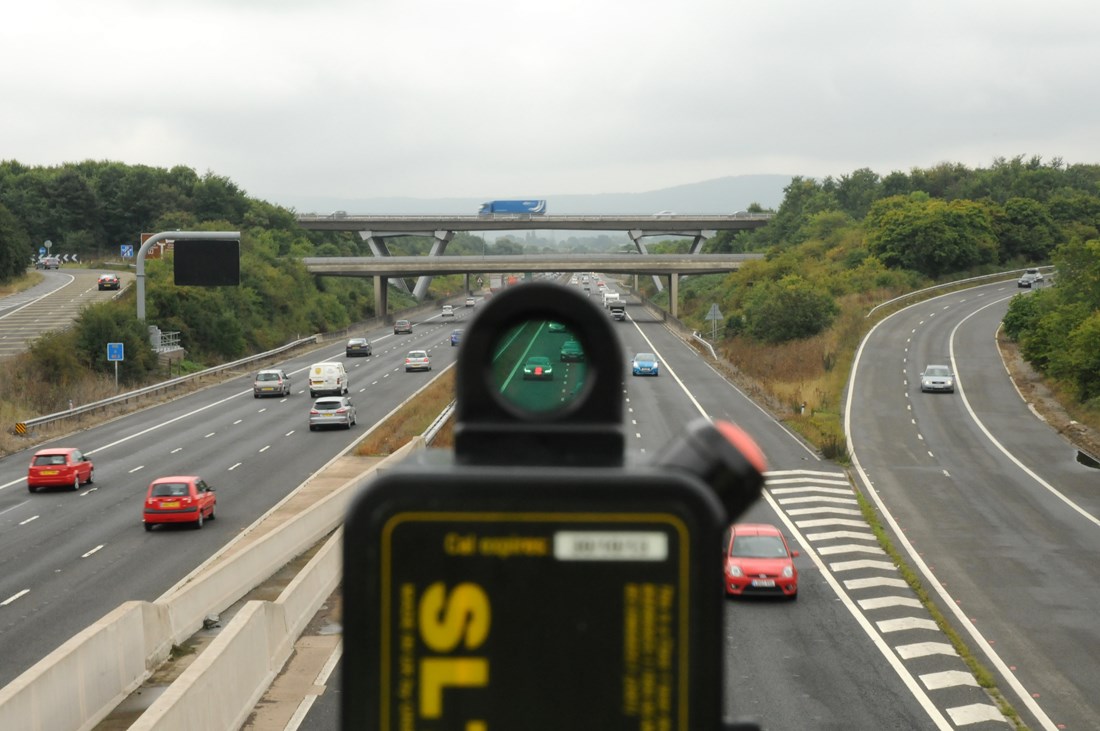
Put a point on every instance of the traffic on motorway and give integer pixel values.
(870, 635)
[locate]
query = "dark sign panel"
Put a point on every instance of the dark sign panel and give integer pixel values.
(207, 263)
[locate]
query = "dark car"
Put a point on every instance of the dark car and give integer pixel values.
(456, 337)
(538, 368)
(109, 281)
(402, 326)
(571, 350)
(1028, 280)
(759, 561)
(179, 499)
(59, 467)
(357, 346)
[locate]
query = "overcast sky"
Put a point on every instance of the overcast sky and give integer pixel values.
(509, 98)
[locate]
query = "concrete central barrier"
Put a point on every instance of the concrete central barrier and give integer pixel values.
(79, 683)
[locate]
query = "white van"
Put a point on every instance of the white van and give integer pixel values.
(328, 378)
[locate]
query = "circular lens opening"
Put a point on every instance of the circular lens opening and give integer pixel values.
(538, 366)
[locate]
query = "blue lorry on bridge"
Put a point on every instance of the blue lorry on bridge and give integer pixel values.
(529, 207)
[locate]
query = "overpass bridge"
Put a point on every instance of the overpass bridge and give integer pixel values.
(376, 229)
(382, 268)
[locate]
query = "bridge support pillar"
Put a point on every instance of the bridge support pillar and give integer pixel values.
(378, 247)
(636, 236)
(442, 238)
(466, 284)
(699, 239)
(674, 295)
(381, 296)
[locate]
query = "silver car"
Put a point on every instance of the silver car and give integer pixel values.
(332, 411)
(271, 382)
(937, 378)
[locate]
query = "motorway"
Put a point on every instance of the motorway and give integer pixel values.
(854, 651)
(991, 504)
(49, 305)
(67, 558)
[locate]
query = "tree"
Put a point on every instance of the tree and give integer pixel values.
(930, 236)
(789, 309)
(1025, 230)
(16, 248)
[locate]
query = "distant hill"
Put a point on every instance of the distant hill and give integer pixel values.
(722, 195)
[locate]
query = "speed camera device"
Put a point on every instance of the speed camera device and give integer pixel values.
(535, 578)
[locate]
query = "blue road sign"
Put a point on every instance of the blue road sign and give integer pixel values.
(114, 352)
(127, 251)
(41, 250)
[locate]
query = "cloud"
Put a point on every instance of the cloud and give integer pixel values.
(493, 98)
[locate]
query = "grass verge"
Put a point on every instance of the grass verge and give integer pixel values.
(411, 420)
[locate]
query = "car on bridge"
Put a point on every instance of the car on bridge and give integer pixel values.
(59, 467)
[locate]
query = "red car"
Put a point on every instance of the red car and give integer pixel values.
(179, 499)
(758, 561)
(62, 466)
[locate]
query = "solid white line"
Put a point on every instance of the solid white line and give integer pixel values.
(1022, 693)
(884, 649)
(993, 440)
(13, 597)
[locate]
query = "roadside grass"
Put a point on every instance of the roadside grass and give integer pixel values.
(981, 673)
(19, 284)
(410, 421)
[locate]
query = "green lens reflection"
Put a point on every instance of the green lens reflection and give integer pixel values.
(539, 366)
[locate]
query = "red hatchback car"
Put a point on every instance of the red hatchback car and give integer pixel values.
(179, 499)
(62, 466)
(758, 561)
